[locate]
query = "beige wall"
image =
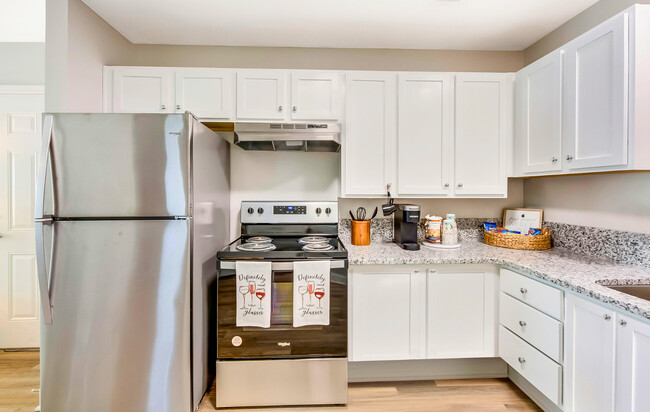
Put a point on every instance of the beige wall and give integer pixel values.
(610, 201)
(584, 21)
(22, 63)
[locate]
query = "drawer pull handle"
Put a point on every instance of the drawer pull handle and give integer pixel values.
(521, 360)
(607, 317)
(522, 323)
(523, 291)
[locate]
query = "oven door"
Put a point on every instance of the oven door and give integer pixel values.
(282, 340)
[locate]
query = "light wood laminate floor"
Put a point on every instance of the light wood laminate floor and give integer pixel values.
(19, 374)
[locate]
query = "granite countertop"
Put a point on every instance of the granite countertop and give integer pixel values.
(581, 274)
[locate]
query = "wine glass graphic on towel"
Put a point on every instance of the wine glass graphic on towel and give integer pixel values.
(251, 290)
(302, 290)
(310, 285)
(243, 290)
(260, 293)
(319, 293)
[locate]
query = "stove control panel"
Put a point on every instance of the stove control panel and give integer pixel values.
(289, 212)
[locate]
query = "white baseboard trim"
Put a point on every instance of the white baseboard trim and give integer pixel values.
(426, 369)
(533, 393)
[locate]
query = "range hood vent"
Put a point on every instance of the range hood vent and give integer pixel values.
(298, 137)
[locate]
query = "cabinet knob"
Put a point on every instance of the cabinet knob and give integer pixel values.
(554, 159)
(607, 317)
(521, 360)
(522, 323)
(460, 185)
(294, 108)
(279, 108)
(569, 157)
(163, 107)
(446, 185)
(623, 322)
(523, 291)
(178, 107)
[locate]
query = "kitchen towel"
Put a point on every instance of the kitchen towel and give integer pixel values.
(311, 293)
(253, 283)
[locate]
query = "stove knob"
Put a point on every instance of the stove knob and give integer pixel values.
(328, 210)
(260, 210)
(250, 210)
(318, 210)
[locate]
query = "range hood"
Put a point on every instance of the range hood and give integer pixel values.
(299, 137)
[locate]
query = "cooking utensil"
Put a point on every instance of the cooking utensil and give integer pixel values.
(361, 213)
(374, 213)
(352, 216)
(388, 208)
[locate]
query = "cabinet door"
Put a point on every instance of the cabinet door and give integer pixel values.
(632, 365)
(461, 315)
(424, 137)
(315, 96)
(595, 97)
(589, 349)
(370, 128)
(207, 93)
(142, 90)
(538, 115)
(386, 312)
(483, 129)
(261, 94)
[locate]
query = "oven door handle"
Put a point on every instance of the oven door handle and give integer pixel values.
(285, 266)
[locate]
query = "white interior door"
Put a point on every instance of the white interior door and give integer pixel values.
(21, 108)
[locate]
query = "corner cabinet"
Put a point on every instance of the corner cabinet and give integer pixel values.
(483, 132)
(583, 108)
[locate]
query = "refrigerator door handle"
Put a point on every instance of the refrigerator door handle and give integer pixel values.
(40, 220)
(43, 276)
(42, 167)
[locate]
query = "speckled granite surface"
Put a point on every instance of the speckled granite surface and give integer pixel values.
(582, 274)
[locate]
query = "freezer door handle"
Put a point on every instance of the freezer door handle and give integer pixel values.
(43, 276)
(42, 167)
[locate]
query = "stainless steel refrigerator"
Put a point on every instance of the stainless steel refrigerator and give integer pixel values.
(130, 212)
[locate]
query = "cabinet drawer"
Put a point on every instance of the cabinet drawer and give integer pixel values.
(532, 364)
(538, 295)
(536, 328)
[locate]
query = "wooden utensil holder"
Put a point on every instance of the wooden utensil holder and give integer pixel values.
(361, 232)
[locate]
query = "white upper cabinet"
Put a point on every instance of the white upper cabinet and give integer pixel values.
(142, 90)
(424, 136)
(590, 356)
(595, 96)
(315, 95)
(207, 93)
(632, 365)
(261, 94)
(538, 115)
(483, 130)
(370, 128)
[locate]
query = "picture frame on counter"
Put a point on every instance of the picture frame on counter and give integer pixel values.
(522, 219)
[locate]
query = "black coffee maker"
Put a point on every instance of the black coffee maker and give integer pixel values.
(405, 226)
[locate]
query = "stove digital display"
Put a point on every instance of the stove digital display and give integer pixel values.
(289, 210)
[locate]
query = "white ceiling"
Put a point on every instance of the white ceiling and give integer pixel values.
(398, 24)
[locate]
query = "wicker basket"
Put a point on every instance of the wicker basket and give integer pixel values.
(515, 241)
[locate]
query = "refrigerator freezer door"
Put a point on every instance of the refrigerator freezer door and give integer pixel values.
(120, 333)
(111, 165)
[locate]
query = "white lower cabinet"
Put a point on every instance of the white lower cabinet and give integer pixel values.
(400, 312)
(590, 355)
(632, 365)
(461, 313)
